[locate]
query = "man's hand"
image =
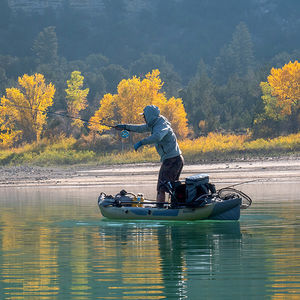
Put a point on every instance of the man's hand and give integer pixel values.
(137, 145)
(120, 127)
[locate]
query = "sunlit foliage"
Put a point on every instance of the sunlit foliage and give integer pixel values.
(174, 111)
(133, 95)
(213, 142)
(272, 110)
(214, 147)
(76, 97)
(231, 143)
(281, 100)
(285, 84)
(23, 109)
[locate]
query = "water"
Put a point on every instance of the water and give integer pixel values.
(56, 245)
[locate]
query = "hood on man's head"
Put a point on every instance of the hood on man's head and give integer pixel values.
(151, 112)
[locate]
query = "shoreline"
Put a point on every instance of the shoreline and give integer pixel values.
(230, 172)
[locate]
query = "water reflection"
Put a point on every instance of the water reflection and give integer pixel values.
(55, 245)
(161, 256)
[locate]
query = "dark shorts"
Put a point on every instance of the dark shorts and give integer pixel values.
(169, 171)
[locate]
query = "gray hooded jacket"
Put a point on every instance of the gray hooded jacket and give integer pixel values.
(162, 135)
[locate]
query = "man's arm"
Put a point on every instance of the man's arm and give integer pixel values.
(156, 136)
(138, 128)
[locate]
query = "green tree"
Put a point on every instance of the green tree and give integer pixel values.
(269, 122)
(237, 102)
(283, 58)
(113, 74)
(97, 85)
(200, 102)
(94, 62)
(148, 62)
(45, 46)
(58, 74)
(76, 98)
(236, 58)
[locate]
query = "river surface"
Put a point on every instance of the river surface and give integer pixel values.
(56, 245)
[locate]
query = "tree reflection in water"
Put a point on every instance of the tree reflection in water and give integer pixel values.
(158, 258)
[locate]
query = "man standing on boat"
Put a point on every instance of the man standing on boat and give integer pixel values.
(165, 141)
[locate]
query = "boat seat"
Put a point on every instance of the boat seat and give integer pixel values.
(178, 195)
(188, 191)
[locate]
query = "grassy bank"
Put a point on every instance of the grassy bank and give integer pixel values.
(214, 147)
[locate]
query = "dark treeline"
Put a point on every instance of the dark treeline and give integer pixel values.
(213, 53)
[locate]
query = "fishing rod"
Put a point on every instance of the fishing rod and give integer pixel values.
(124, 133)
(60, 114)
(230, 186)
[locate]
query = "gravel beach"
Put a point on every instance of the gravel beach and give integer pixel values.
(285, 169)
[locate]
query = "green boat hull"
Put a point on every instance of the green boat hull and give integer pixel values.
(216, 210)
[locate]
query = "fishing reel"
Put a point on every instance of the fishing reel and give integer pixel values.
(124, 134)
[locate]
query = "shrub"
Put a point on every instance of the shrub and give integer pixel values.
(97, 143)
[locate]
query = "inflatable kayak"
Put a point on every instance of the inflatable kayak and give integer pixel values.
(193, 199)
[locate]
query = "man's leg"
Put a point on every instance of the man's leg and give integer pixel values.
(169, 171)
(161, 189)
(161, 196)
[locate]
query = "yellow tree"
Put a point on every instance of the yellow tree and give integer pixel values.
(133, 95)
(285, 84)
(76, 97)
(281, 99)
(23, 109)
(174, 111)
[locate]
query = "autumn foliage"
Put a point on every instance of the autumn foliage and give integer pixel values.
(281, 99)
(76, 97)
(133, 95)
(23, 109)
(285, 84)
